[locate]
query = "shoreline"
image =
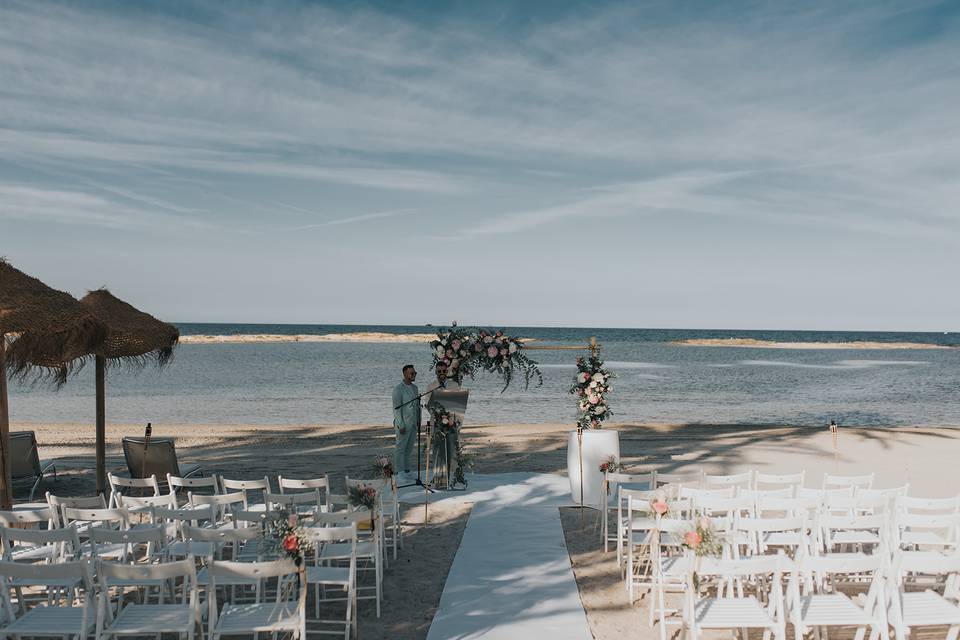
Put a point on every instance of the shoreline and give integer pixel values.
(771, 344)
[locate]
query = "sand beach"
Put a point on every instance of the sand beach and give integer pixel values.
(414, 583)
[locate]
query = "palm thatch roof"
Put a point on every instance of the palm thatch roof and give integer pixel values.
(53, 326)
(132, 335)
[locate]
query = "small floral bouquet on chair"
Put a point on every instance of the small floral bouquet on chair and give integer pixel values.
(383, 467)
(612, 465)
(364, 496)
(285, 537)
(703, 539)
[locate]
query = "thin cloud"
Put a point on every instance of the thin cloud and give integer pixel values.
(354, 219)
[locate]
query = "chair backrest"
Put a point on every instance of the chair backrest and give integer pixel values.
(133, 503)
(159, 458)
(928, 563)
(119, 484)
(861, 482)
(829, 524)
(823, 494)
(52, 576)
(284, 570)
(182, 572)
(744, 480)
(321, 535)
(907, 504)
(222, 504)
(645, 481)
(744, 567)
(24, 455)
(888, 496)
(244, 518)
(153, 538)
(341, 518)
(222, 537)
(259, 488)
(120, 517)
(756, 494)
(67, 541)
(57, 503)
(687, 479)
(699, 494)
(727, 508)
(304, 484)
(194, 485)
(948, 524)
(761, 480)
(28, 517)
(294, 500)
(802, 507)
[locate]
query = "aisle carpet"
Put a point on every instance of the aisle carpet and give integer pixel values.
(511, 577)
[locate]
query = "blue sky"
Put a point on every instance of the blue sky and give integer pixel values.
(665, 164)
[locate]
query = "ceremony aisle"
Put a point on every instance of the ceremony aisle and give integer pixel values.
(511, 577)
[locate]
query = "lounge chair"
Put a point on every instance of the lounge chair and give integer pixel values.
(26, 465)
(159, 458)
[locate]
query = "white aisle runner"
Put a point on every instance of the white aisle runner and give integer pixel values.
(511, 577)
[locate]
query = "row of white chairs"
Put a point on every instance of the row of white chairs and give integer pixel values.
(812, 599)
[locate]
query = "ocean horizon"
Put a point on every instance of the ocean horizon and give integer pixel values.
(658, 380)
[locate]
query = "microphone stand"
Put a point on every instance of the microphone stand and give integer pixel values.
(418, 482)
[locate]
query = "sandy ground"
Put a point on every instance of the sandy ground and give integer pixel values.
(924, 457)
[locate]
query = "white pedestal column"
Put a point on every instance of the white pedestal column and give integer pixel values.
(598, 445)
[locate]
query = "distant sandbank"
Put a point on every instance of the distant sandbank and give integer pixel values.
(364, 336)
(770, 344)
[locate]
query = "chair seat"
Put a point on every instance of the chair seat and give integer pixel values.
(153, 618)
(248, 618)
(731, 613)
(923, 608)
(328, 575)
(831, 609)
(51, 621)
(782, 539)
(341, 550)
(675, 567)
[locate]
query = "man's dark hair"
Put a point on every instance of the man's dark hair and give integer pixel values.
(407, 366)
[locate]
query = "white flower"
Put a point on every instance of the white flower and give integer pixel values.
(583, 377)
(599, 409)
(598, 376)
(593, 384)
(441, 351)
(513, 347)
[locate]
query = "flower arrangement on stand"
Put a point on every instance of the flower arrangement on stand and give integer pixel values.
(446, 424)
(285, 537)
(465, 352)
(383, 468)
(592, 386)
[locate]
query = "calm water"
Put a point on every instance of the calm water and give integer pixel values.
(657, 381)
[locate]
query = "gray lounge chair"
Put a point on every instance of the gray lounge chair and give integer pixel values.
(159, 458)
(25, 463)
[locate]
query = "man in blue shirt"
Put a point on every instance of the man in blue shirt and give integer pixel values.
(406, 421)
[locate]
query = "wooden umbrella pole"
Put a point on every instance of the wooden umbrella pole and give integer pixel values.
(6, 494)
(101, 425)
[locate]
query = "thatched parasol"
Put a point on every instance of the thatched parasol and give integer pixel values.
(48, 322)
(132, 337)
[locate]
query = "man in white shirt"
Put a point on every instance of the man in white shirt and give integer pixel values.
(446, 384)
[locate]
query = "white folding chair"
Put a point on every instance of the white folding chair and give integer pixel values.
(839, 482)
(911, 609)
(257, 489)
(321, 577)
(174, 520)
(286, 611)
(927, 506)
(738, 481)
(610, 493)
(194, 485)
(129, 546)
(821, 605)
(221, 505)
(40, 546)
(922, 532)
(639, 518)
(778, 481)
(84, 519)
(138, 619)
(305, 504)
(57, 504)
(119, 484)
(756, 494)
(367, 551)
(731, 607)
(673, 481)
(693, 493)
(29, 518)
(143, 507)
(669, 570)
(295, 485)
(63, 614)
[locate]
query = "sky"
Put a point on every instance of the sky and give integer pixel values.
(743, 165)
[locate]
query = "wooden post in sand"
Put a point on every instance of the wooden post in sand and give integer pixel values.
(101, 376)
(6, 493)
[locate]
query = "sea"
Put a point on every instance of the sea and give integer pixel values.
(657, 380)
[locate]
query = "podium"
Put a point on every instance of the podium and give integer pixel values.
(445, 443)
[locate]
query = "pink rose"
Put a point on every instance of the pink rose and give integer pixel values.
(455, 344)
(449, 353)
(476, 346)
(692, 539)
(660, 507)
(492, 352)
(593, 399)
(503, 352)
